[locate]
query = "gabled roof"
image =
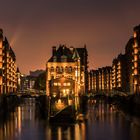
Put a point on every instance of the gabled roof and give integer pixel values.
(75, 54)
(65, 54)
(62, 53)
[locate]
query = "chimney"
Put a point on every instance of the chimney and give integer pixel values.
(1, 32)
(54, 50)
(71, 48)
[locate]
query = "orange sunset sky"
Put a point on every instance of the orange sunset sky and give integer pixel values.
(33, 27)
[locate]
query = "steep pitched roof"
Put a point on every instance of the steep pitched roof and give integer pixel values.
(75, 54)
(62, 53)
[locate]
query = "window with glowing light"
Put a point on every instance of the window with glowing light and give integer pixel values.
(135, 82)
(55, 84)
(66, 69)
(135, 51)
(135, 58)
(57, 69)
(135, 34)
(61, 69)
(135, 64)
(70, 69)
(135, 72)
(76, 73)
(52, 69)
(68, 84)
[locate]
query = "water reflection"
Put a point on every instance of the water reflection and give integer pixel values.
(103, 123)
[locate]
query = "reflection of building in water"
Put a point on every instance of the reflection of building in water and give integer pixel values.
(12, 126)
(76, 131)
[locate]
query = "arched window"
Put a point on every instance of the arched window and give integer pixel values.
(70, 69)
(66, 69)
(57, 69)
(61, 69)
(52, 69)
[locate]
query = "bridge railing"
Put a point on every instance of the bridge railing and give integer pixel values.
(109, 93)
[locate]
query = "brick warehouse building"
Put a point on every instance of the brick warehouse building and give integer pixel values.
(8, 69)
(67, 72)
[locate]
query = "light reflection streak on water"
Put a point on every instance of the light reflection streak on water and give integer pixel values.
(59, 133)
(69, 138)
(103, 123)
(77, 132)
(19, 120)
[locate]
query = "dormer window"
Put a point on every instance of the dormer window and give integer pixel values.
(63, 58)
(52, 69)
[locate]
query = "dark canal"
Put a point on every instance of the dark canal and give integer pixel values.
(103, 123)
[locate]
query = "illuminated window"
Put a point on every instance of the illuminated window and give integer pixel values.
(135, 64)
(52, 69)
(135, 34)
(54, 94)
(70, 77)
(135, 51)
(119, 85)
(135, 44)
(59, 84)
(135, 58)
(119, 80)
(64, 92)
(67, 91)
(57, 69)
(61, 69)
(68, 84)
(76, 73)
(66, 69)
(135, 72)
(70, 69)
(119, 64)
(55, 84)
(65, 84)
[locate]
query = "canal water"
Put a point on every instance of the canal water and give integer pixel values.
(102, 122)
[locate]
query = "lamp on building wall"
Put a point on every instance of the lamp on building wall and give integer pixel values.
(59, 104)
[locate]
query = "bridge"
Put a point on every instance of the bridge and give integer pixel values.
(108, 94)
(57, 109)
(27, 94)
